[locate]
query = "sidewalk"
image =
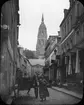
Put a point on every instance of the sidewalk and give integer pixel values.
(68, 92)
(10, 99)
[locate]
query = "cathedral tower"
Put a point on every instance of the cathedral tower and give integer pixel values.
(41, 39)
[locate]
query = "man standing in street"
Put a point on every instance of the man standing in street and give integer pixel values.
(35, 85)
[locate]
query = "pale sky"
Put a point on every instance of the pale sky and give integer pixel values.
(30, 19)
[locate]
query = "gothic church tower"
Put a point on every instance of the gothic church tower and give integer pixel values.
(41, 39)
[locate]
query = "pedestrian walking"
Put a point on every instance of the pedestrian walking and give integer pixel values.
(43, 91)
(35, 85)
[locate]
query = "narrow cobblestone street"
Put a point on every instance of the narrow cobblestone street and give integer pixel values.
(55, 98)
(42, 52)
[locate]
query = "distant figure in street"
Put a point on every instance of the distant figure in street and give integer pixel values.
(30, 84)
(35, 85)
(43, 91)
(18, 78)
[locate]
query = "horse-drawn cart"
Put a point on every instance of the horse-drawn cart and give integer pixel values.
(22, 83)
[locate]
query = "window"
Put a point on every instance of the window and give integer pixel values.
(70, 22)
(64, 48)
(77, 33)
(71, 43)
(42, 41)
(78, 9)
(1, 18)
(67, 26)
(83, 29)
(42, 32)
(63, 32)
(65, 29)
(25, 61)
(68, 47)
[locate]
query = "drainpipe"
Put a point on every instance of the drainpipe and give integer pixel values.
(70, 68)
(77, 70)
(49, 73)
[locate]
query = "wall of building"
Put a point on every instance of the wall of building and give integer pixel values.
(72, 41)
(8, 47)
(37, 69)
(50, 56)
(23, 63)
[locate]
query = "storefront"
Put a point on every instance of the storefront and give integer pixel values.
(46, 72)
(61, 69)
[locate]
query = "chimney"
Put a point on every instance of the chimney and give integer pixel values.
(58, 33)
(71, 2)
(65, 12)
(59, 37)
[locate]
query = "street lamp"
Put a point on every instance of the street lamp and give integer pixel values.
(55, 51)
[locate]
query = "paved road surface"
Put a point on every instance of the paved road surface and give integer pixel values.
(55, 98)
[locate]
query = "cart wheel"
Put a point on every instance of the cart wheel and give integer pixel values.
(41, 99)
(17, 92)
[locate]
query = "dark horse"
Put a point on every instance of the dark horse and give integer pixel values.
(30, 84)
(33, 84)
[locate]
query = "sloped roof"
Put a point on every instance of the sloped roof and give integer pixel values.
(37, 61)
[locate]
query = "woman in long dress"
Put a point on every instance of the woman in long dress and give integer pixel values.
(43, 91)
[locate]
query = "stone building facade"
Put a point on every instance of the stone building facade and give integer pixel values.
(51, 50)
(23, 64)
(8, 49)
(72, 43)
(37, 66)
(37, 69)
(41, 39)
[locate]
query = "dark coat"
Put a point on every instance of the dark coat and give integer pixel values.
(35, 86)
(35, 81)
(30, 83)
(43, 91)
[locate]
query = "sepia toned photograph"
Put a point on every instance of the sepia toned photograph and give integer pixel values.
(42, 52)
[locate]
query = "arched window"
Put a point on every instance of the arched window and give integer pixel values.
(67, 25)
(71, 43)
(68, 47)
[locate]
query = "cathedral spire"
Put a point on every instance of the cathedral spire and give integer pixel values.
(41, 39)
(42, 18)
